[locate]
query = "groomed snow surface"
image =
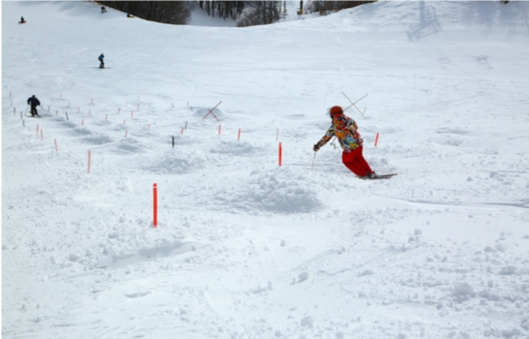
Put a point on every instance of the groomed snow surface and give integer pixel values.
(245, 248)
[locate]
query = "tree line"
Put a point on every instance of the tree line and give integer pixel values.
(168, 12)
(246, 13)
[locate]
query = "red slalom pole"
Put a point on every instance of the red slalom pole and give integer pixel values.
(220, 127)
(280, 154)
(376, 140)
(55, 142)
(155, 205)
(239, 135)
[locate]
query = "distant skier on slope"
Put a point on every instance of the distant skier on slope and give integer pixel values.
(346, 131)
(22, 21)
(34, 102)
(102, 63)
(103, 9)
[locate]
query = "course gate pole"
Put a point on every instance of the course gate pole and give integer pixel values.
(155, 205)
(89, 159)
(280, 154)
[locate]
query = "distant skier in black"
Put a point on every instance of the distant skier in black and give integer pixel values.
(103, 9)
(34, 102)
(22, 21)
(102, 63)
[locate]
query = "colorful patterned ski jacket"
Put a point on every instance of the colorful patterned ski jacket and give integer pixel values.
(345, 130)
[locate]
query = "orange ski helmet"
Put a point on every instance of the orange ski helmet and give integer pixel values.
(336, 111)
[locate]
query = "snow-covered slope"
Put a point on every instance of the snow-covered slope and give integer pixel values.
(245, 248)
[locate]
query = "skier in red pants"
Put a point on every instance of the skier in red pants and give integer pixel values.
(346, 131)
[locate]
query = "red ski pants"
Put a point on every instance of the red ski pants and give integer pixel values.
(356, 163)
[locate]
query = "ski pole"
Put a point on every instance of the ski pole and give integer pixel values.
(354, 103)
(313, 160)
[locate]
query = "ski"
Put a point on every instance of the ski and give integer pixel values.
(104, 67)
(382, 176)
(379, 176)
(33, 116)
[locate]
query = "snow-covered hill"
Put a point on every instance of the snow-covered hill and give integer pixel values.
(246, 248)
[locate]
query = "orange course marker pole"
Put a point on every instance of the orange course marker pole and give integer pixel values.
(376, 140)
(280, 154)
(155, 205)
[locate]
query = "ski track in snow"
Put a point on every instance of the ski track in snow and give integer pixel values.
(245, 248)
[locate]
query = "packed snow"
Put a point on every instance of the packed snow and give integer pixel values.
(244, 247)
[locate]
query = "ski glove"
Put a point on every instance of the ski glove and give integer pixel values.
(316, 148)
